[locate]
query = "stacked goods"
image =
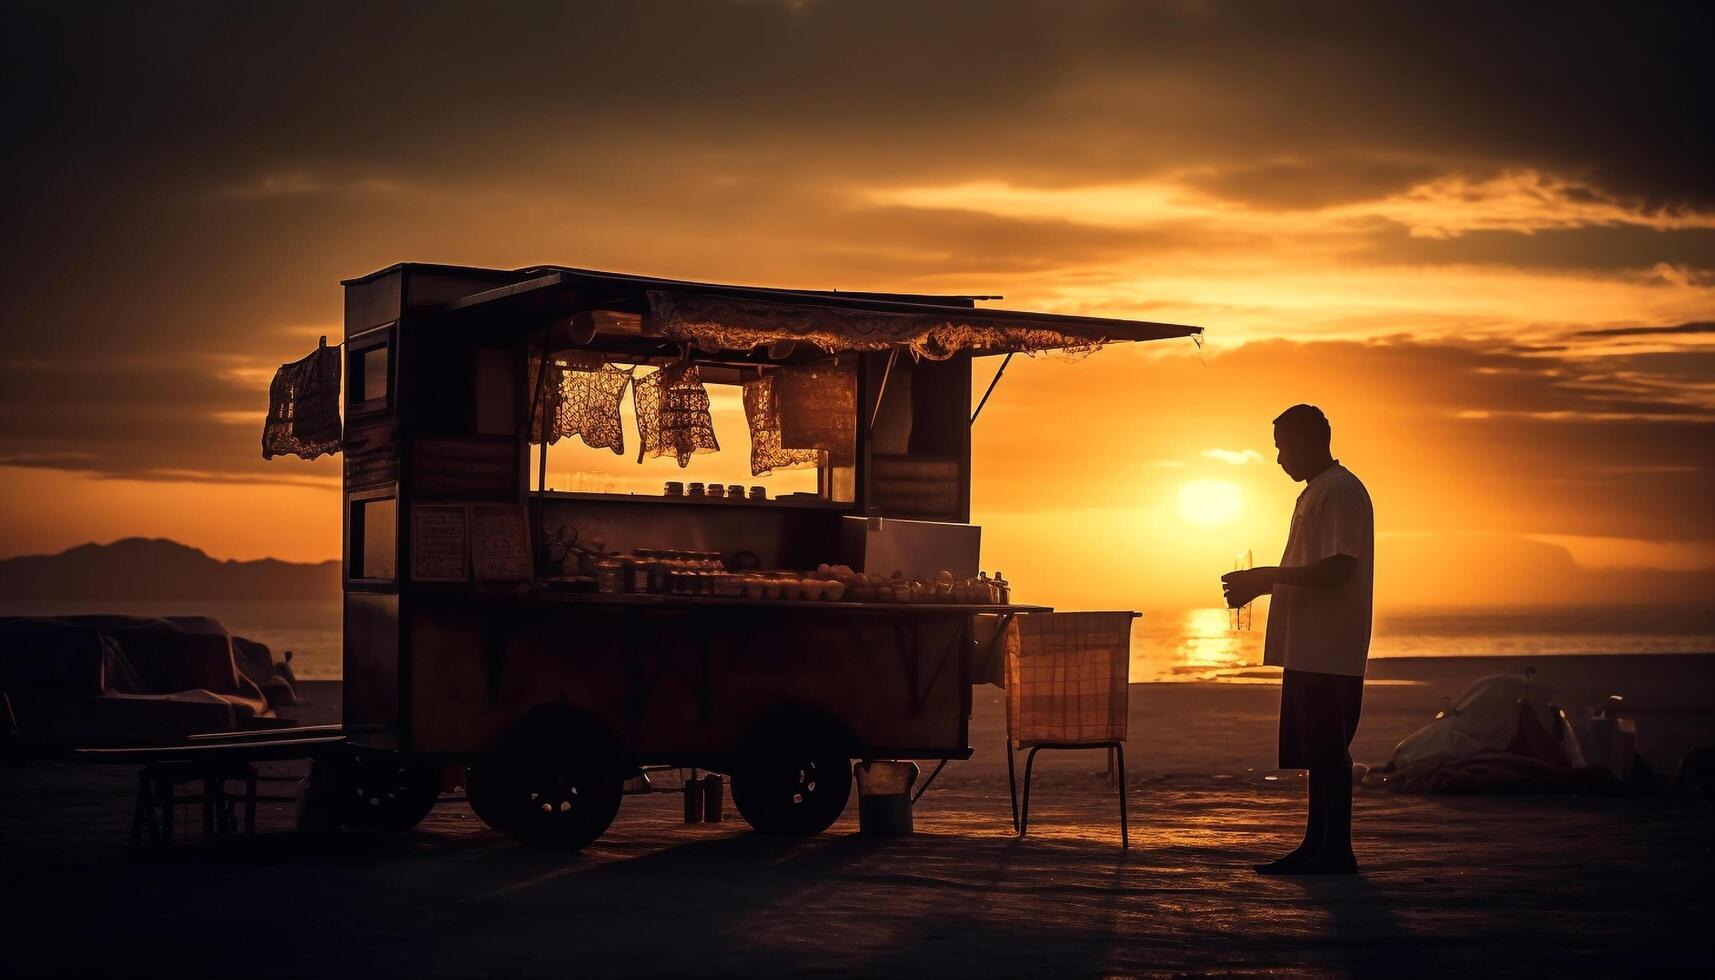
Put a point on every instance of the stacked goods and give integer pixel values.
(944, 587)
(703, 573)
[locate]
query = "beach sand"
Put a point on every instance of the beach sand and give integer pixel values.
(1519, 884)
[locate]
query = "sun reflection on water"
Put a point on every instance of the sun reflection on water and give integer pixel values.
(1196, 644)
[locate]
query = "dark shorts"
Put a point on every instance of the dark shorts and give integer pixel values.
(1318, 717)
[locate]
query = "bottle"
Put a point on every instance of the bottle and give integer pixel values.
(645, 567)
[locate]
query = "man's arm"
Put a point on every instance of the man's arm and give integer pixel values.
(1241, 587)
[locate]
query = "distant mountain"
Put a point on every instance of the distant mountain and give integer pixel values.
(156, 568)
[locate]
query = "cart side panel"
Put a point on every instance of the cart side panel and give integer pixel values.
(371, 688)
(476, 670)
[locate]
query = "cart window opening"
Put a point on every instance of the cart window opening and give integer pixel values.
(574, 467)
(369, 376)
(374, 530)
(374, 374)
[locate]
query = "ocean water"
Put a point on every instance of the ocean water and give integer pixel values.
(1198, 644)
(1167, 645)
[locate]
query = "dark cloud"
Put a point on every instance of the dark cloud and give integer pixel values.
(1677, 330)
(1116, 90)
(1599, 248)
(1298, 184)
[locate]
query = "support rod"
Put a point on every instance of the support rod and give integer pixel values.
(887, 372)
(990, 391)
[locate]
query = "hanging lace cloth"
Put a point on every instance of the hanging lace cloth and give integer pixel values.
(762, 411)
(714, 323)
(303, 407)
(673, 414)
(581, 399)
(818, 410)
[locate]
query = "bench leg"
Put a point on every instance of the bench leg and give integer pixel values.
(143, 814)
(164, 796)
(1012, 785)
(212, 791)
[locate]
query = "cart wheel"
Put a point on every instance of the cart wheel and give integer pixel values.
(550, 785)
(387, 794)
(790, 784)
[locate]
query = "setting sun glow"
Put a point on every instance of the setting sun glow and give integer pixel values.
(1210, 503)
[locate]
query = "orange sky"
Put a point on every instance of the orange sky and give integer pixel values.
(1484, 245)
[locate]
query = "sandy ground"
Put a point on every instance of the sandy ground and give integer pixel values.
(1518, 884)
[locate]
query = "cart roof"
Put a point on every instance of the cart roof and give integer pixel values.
(716, 316)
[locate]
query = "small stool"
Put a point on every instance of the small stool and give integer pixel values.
(156, 787)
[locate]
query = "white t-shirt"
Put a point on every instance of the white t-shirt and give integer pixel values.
(1326, 630)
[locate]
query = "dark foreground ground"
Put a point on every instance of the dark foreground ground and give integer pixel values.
(1451, 886)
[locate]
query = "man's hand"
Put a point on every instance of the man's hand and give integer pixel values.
(1243, 586)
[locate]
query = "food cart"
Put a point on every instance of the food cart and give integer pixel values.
(562, 643)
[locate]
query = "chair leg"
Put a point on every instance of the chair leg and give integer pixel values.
(164, 796)
(1125, 833)
(1012, 785)
(211, 793)
(1024, 809)
(143, 814)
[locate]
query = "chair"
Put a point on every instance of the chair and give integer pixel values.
(1067, 687)
(157, 790)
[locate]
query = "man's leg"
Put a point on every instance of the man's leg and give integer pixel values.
(1315, 831)
(1293, 755)
(1333, 785)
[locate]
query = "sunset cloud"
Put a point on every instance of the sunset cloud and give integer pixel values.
(1232, 457)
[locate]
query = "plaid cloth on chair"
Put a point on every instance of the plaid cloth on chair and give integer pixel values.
(1067, 686)
(1068, 680)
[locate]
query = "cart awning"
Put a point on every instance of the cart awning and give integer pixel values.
(716, 317)
(716, 322)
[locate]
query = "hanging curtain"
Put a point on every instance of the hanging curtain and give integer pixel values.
(818, 410)
(673, 414)
(762, 411)
(582, 399)
(303, 407)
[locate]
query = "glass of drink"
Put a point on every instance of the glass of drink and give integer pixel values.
(1239, 617)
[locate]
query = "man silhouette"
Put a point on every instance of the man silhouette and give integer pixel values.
(1319, 631)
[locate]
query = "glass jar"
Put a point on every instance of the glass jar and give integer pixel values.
(610, 575)
(645, 565)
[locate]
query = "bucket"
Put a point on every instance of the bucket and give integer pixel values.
(884, 797)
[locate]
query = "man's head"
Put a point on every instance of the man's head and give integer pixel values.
(1301, 436)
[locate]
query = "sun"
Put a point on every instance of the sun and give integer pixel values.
(1210, 503)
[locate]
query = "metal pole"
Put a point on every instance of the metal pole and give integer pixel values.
(990, 390)
(887, 372)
